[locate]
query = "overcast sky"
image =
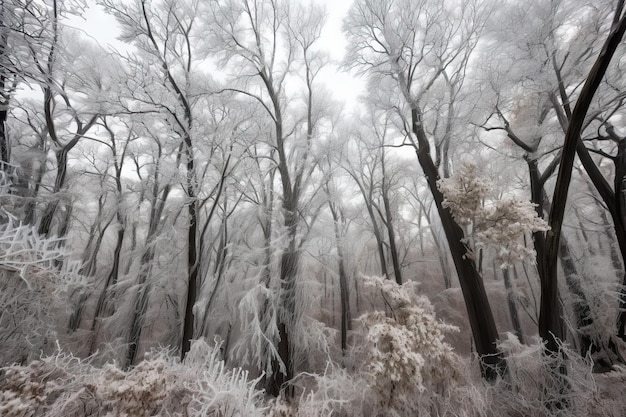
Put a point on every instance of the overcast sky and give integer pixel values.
(103, 28)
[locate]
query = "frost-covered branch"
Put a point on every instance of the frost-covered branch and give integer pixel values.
(501, 224)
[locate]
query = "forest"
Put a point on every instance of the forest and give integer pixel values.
(312, 208)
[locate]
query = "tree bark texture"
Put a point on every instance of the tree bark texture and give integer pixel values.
(550, 321)
(479, 311)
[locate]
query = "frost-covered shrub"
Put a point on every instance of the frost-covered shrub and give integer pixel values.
(540, 385)
(501, 224)
(34, 282)
(64, 386)
(337, 392)
(54, 386)
(408, 355)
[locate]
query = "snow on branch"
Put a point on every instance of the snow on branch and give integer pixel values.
(501, 224)
(24, 251)
(63, 385)
(408, 354)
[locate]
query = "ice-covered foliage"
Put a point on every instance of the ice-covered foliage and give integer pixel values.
(542, 385)
(256, 347)
(35, 279)
(408, 354)
(63, 385)
(335, 392)
(501, 223)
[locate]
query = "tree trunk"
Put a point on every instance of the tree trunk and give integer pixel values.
(580, 305)
(140, 303)
(4, 137)
(343, 282)
(512, 302)
(111, 280)
(390, 230)
(550, 323)
(289, 266)
(192, 281)
(479, 311)
(140, 308)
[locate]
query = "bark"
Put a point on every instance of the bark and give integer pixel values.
(140, 307)
(580, 304)
(30, 217)
(96, 235)
(343, 282)
(289, 268)
(222, 253)
(4, 137)
(194, 247)
(159, 198)
(550, 321)
(192, 273)
(512, 303)
(479, 311)
(390, 230)
(110, 281)
(8, 83)
(619, 221)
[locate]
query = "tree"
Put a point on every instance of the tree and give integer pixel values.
(376, 177)
(163, 33)
(266, 42)
(24, 28)
(415, 43)
(549, 322)
(65, 124)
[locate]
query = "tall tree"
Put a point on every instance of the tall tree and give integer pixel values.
(416, 43)
(163, 32)
(268, 42)
(550, 325)
(66, 124)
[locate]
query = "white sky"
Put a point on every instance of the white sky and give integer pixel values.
(103, 28)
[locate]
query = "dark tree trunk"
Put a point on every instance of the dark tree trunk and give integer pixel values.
(580, 304)
(512, 302)
(6, 88)
(289, 267)
(395, 259)
(550, 322)
(4, 137)
(45, 224)
(140, 303)
(192, 281)
(343, 282)
(110, 281)
(140, 308)
(479, 311)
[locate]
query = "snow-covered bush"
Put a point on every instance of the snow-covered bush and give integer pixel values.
(63, 385)
(337, 392)
(34, 283)
(501, 223)
(541, 385)
(408, 355)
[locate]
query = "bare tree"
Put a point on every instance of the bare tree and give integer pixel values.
(163, 32)
(65, 124)
(416, 43)
(267, 41)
